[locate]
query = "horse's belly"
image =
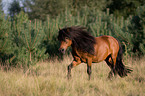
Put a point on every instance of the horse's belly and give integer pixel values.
(101, 53)
(98, 59)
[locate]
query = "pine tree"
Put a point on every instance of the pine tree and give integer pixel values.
(14, 8)
(40, 9)
(27, 38)
(6, 49)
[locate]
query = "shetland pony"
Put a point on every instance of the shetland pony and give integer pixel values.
(89, 49)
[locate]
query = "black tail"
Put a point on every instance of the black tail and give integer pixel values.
(120, 68)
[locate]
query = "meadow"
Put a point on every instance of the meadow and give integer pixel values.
(49, 78)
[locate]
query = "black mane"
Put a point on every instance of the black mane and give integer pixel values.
(81, 39)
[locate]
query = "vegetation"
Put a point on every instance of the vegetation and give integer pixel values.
(14, 8)
(124, 8)
(41, 9)
(30, 41)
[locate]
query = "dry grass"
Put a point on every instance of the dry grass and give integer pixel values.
(49, 79)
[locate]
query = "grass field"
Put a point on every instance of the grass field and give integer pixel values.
(49, 79)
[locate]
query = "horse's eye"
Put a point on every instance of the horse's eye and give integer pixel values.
(66, 38)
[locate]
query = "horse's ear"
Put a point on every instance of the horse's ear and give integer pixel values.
(59, 29)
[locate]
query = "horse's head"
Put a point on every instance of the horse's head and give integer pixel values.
(64, 39)
(78, 37)
(65, 44)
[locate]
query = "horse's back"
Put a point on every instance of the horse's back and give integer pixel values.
(105, 45)
(111, 41)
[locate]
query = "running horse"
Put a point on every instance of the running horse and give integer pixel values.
(89, 49)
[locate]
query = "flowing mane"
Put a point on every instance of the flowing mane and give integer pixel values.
(81, 39)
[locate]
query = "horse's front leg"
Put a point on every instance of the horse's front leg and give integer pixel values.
(89, 71)
(73, 64)
(69, 70)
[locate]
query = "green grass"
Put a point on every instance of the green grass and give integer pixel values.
(49, 79)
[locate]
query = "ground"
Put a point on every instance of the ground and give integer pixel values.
(49, 78)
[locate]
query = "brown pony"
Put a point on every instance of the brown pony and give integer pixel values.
(88, 49)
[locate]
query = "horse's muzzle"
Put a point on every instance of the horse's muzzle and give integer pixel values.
(62, 50)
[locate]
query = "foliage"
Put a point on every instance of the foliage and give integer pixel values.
(137, 29)
(0, 5)
(27, 38)
(5, 40)
(32, 41)
(124, 7)
(40, 9)
(14, 8)
(91, 5)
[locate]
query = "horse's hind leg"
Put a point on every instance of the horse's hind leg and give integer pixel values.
(111, 72)
(110, 63)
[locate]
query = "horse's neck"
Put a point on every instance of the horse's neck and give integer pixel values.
(76, 51)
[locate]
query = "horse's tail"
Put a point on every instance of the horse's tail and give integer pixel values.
(120, 68)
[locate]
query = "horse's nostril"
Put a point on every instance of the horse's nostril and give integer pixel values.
(62, 50)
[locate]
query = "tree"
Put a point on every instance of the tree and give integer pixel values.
(137, 30)
(40, 9)
(0, 5)
(27, 37)
(6, 49)
(14, 8)
(124, 7)
(90, 4)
